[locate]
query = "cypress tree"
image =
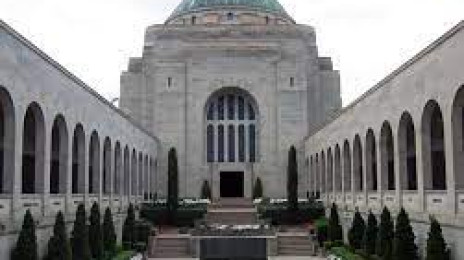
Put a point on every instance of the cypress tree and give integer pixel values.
(80, 236)
(95, 232)
(58, 245)
(370, 237)
(436, 244)
(384, 246)
(258, 189)
(109, 233)
(292, 180)
(335, 231)
(26, 246)
(173, 186)
(205, 190)
(128, 229)
(404, 247)
(356, 233)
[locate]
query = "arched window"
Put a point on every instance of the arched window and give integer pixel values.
(387, 157)
(329, 170)
(107, 166)
(458, 138)
(78, 160)
(230, 16)
(323, 174)
(252, 147)
(126, 179)
(433, 147)
(234, 128)
(231, 143)
(210, 143)
(338, 170)
(241, 143)
(358, 164)
(371, 161)
(117, 169)
(134, 177)
(33, 150)
(94, 163)
(58, 156)
(194, 20)
(347, 166)
(7, 141)
(407, 152)
(221, 143)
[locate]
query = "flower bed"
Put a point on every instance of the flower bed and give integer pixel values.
(275, 211)
(233, 230)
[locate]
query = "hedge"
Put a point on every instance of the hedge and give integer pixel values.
(184, 217)
(280, 215)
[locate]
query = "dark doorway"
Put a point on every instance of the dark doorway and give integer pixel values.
(231, 184)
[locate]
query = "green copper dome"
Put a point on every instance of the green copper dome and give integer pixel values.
(268, 6)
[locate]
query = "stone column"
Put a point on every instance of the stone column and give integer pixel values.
(86, 169)
(16, 203)
(379, 171)
(396, 158)
(449, 155)
(45, 182)
(101, 165)
(68, 197)
(420, 167)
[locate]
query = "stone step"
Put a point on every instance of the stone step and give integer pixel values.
(170, 247)
(294, 245)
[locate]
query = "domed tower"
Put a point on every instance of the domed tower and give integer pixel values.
(231, 84)
(229, 12)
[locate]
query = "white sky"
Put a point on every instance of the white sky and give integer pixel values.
(367, 39)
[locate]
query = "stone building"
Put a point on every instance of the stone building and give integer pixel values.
(232, 85)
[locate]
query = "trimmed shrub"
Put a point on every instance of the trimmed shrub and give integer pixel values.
(404, 247)
(258, 189)
(80, 236)
(292, 180)
(128, 229)
(436, 244)
(370, 236)
(173, 185)
(386, 233)
(95, 232)
(335, 230)
(205, 190)
(58, 245)
(109, 234)
(26, 246)
(356, 233)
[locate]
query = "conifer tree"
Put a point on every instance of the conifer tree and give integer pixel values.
(173, 185)
(95, 232)
(109, 234)
(258, 189)
(384, 246)
(404, 247)
(370, 236)
(335, 231)
(128, 229)
(356, 233)
(58, 245)
(292, 181)
(205, 190)
(436, 244)
(26, 246)
(80, 236)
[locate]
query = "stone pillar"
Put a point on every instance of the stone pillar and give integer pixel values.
(68, 197)
(420, 167)
(396, 159)
(101, 165)
(45, 182)
(449, 157)
(380, 190)
(16, 203)
(112, 172)
(86, 169)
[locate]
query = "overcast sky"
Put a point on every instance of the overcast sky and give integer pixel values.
(367, 39)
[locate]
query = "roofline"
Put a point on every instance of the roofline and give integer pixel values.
(427, 50)
(72, 77)
(251, 8)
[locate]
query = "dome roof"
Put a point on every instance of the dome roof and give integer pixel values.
(266, 6)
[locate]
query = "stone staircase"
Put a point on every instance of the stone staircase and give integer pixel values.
(232, 212)
(170, 246)
(294, 244)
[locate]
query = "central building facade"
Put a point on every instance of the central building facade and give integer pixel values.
(231, 85)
